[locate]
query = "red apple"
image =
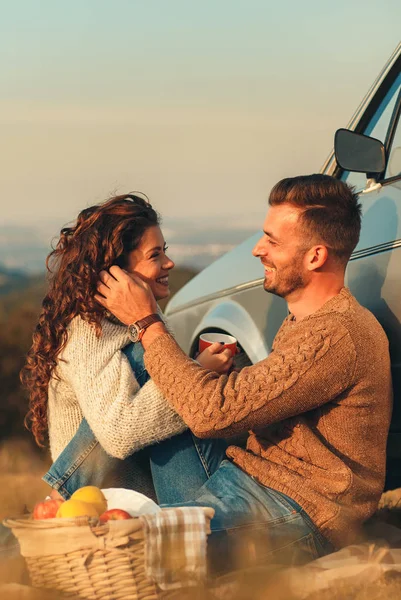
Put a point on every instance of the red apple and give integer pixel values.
(114, 514)
(47, 509)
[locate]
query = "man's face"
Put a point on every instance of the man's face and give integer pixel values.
(281, 250)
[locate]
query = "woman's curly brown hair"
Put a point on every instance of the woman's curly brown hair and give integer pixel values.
(102, 236)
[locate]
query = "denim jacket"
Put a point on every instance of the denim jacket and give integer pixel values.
(84, 462)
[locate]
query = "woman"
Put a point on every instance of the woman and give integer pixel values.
(87, 384)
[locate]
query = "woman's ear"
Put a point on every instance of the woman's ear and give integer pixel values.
(316, 257)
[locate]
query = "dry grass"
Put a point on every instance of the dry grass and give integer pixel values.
(21, 470)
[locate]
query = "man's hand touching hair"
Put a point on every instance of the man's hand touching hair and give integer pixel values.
(125, 295)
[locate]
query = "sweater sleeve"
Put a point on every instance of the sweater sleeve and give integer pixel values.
(315, 368)
(123, 417)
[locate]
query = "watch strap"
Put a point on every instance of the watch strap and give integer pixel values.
(144, 323)
(149, 320)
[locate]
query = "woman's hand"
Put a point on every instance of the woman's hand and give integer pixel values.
(215, 358)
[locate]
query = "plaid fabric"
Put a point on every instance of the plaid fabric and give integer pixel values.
(175, 546)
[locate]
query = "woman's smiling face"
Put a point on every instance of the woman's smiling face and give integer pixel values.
(150, 262)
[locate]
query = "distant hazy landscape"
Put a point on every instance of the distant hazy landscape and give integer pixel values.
(192, 243)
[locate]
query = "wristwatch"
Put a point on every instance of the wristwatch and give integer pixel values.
(137, 329)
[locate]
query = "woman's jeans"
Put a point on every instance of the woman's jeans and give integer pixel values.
(153, 469)
(253, 524)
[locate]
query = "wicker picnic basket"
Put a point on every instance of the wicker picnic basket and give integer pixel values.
(81, 557)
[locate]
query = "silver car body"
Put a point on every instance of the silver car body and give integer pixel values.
(228, 296)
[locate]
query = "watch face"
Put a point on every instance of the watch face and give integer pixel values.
(133, 332)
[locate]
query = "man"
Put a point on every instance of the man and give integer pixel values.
(317, 408)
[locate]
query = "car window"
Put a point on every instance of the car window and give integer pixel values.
(377, 128)
(394, 159)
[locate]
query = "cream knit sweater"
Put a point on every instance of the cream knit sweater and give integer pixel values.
(97, 382)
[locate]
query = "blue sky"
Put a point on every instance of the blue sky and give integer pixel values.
(202, 105)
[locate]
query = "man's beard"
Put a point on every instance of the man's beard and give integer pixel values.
(287, 281)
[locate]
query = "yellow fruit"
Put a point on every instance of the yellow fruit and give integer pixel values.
(92, 495)
(76, 508)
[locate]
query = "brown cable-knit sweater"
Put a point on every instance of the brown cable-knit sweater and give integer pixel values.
(317, 410)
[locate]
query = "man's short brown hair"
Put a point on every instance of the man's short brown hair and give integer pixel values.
(331, 213)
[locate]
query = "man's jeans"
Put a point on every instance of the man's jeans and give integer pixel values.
(255, 525)
(175, 469)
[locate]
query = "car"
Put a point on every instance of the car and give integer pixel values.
(228, 296)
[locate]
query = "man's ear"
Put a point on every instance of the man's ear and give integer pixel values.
(316, 257)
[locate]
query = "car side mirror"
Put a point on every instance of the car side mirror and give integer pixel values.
(358, 152)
